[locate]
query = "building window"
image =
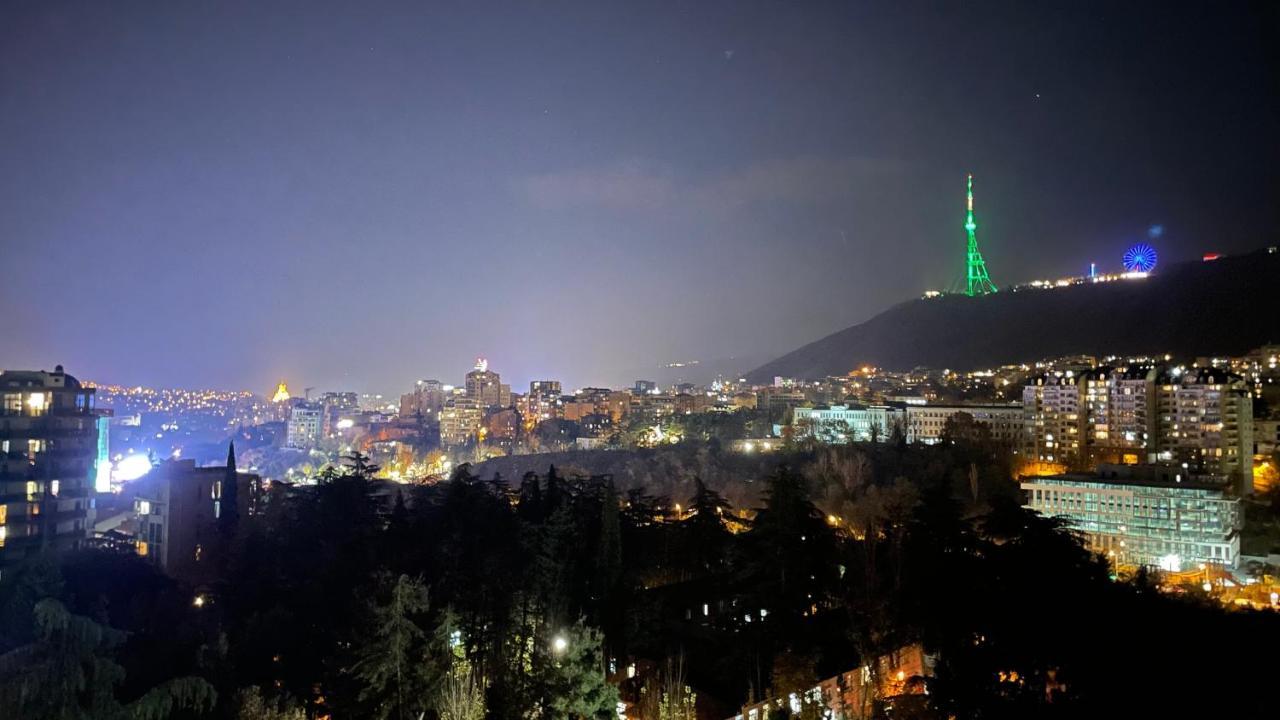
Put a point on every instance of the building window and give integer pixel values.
(37, 402)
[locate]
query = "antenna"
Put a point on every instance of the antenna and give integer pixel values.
(977, 280)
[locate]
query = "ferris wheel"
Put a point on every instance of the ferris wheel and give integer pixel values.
(1140, 258)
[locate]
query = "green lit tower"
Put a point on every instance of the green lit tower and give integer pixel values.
(978, 282)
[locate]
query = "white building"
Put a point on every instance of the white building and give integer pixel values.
(1199, 416)
(1159, 516)
(849, 423)
(926, 422)
(305, 422)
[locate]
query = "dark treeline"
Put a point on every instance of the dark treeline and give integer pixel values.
(480, 597)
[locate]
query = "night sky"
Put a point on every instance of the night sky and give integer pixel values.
(356, 195)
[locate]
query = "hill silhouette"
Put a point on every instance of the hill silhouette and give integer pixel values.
(1225, 307)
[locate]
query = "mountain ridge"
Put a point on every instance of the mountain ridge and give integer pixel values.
(1227, 306)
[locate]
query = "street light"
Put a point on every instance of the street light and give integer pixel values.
(559, 644)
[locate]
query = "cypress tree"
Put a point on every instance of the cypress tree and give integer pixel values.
(229, 514)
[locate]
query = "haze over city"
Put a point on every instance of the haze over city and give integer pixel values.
(639, 359)
(361, 195)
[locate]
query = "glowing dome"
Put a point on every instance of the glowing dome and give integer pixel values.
(282, 393)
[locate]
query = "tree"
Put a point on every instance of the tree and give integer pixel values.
(792, 560)
(394, 663)
(69, 673)
(609, 549)
(462, 694)
(573, 679)
(666, 696)
(706, 537)
(250, 705)
(229, 505)
(357, 465)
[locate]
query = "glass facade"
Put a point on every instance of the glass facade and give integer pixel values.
(1174, 526)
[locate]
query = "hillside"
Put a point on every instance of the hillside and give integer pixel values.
(1228, 306)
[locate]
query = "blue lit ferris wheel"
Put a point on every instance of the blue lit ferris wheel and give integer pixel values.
(1140, 258)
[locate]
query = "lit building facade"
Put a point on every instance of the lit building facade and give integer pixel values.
(1199, 416)
(1120, 413)
(1206, 420)
(1153, 515)
(864, 692)
(460, 420)
(925, 423)
(485, 386)
(51, 459)
(426, 400)
(305, 422)
(1052, 418)
(848, 423)
(542, 402)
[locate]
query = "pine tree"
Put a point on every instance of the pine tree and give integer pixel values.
(395, 664)
(572, 674)
(706, 536)
(609, 550)
(69, 673)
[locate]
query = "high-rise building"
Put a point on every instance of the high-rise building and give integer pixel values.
(1199, 416)
(1206, 420)
(1053, 419)
(1119, 411)
(303, 429)
(460, 420)
(427, 399)
(543, 401)
(342, 402)
(545, 388)
(485, 386)
(335, 405)
(50, 462)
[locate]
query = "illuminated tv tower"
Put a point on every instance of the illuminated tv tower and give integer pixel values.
(978, 282)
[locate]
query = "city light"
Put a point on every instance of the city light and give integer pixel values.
(131, 467)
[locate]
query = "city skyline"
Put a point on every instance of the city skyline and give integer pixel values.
(685, 360)
(246, 193)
